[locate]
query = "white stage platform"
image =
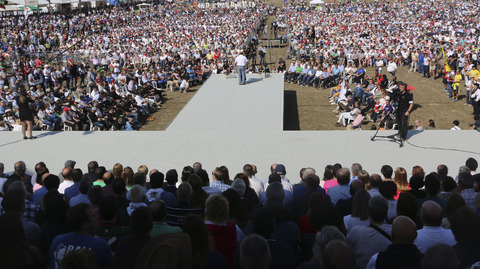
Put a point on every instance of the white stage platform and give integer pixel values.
(223, 105)
(253, 134)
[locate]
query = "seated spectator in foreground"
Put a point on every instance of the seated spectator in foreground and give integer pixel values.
(344, 206)
(368, 240)
(402, 253)
(432, 188)
(359, 216)
(82, 197)
(432, 232)
(223, 232)
(255, 253)
(288, 196)
(465, 184)
(300, 204)
(81, 218)
(322, 238)
(465, 227)
(183, 207)
(16, 252)
(156, 192)
(130, 246)
(342, 190)
(388, 189)
(416, 183)
(447, 185)
(159, 212)
(440, 256)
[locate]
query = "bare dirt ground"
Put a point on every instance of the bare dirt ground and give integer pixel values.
(307, 108)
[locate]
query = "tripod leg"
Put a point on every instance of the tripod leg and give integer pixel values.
(375, 135)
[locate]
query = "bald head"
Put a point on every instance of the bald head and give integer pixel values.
(431, 214)
(404, 230)
(67, 173)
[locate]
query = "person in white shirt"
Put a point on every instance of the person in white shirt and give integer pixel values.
(67, 179)
(455, 126)
(241, 62)
(392, 67)
(255, 183)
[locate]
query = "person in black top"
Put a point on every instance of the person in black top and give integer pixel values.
(405, 106)
(26, 114)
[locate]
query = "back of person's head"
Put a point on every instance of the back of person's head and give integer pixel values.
(404, 230)
(442, 170)
(217, 208)
(143, 168)
(476, 182)
(51, 182)
(355, 186)
(195, 227)
(79, 259)
(416, 182)
(137, 194)
(204, 176)
(119, 186)
(139, 178)
(338, 255)
(67, 173)
(92, 166)
(141, 220)
(156, 180)
(99, 171)
(388, 189)
(364, 177)
(472, 164)
(387, 171)
(197, 166)
(78, 217)
(117, 170)
(417, 170)
(239, 186)
(356, 168)
(243, 177)
(448, 184)
(77, 175)
(184, 192)
(263, 223)
(108, 208)
(328, 174)
(219, 174)
(431, 213)
(108, 178)
(274, 178)
(323, 237)
(14, 200)
(465, 180)
(158, 209)
(377, 208)
(20, 168)
(455, 201)
(248, 169)
(171, 177)
(95, 195)
(374, 181)
(196, 182)
(407, 205)
(465, 225)
(307, 171)
(360, 204)
(186, 172)
(343, 176)
(275, 189)
(173, 250)
(440, 256)
(84, 186)
(255, 252)
(18, 186)
(312, 182)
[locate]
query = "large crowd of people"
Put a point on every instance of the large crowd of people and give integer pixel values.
(439, 40)
(109, 68)
(338, 218)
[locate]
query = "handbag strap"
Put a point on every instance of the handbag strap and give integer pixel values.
(382, 232)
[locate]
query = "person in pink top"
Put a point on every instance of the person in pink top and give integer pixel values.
(329, 176)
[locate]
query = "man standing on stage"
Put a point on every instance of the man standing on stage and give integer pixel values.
(241, 62)
(405, 106)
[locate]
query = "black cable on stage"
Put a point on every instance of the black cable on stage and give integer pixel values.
(445, 149)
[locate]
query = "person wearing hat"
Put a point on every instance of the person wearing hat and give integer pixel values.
(67, 118)
(405, 106)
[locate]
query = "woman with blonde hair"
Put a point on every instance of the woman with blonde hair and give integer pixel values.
(128, 176)
(401, 181)
(117, 170)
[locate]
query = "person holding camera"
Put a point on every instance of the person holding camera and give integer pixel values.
(405, 106)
